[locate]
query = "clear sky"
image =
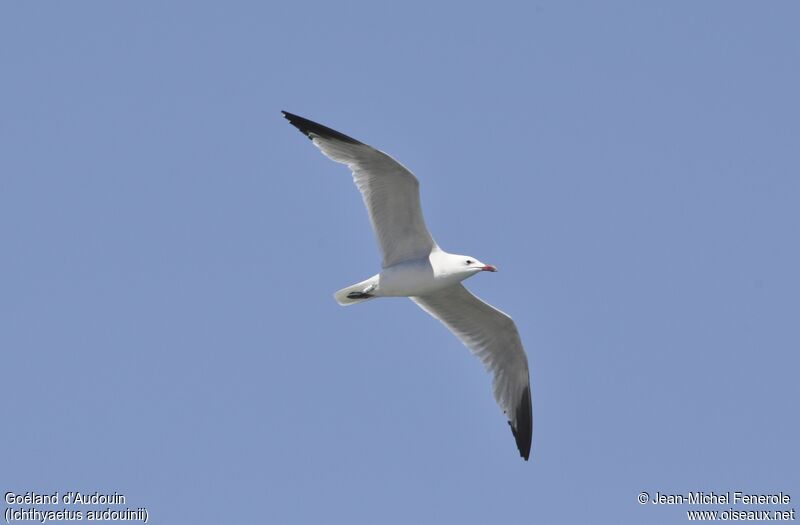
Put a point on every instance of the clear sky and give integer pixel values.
(170, 247)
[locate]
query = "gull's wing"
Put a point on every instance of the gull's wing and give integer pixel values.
(493, 337)
(390, 191)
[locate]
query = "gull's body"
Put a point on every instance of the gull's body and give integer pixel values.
(414, 277)
(414, 266)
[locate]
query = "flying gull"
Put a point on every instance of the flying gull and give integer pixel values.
(415, 267)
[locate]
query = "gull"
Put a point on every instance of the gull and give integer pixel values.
(415, 267)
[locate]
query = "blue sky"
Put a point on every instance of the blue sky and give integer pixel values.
(171, 246)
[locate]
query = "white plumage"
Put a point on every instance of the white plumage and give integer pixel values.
(414, 266)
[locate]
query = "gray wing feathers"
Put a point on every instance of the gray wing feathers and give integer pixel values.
(390, 192)
(493, 337)
(391, 195)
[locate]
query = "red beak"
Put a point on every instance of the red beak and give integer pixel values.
(489, 268)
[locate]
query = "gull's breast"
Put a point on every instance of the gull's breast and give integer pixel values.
(410, 279)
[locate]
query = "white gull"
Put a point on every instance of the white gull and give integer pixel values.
(415, 267)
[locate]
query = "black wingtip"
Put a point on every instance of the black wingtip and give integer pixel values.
(307, 127)
(523, 429)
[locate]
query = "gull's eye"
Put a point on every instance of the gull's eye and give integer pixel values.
(469, 261)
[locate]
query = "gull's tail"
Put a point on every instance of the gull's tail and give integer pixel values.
(357, 293)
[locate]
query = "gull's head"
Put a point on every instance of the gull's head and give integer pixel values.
(470, 265)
